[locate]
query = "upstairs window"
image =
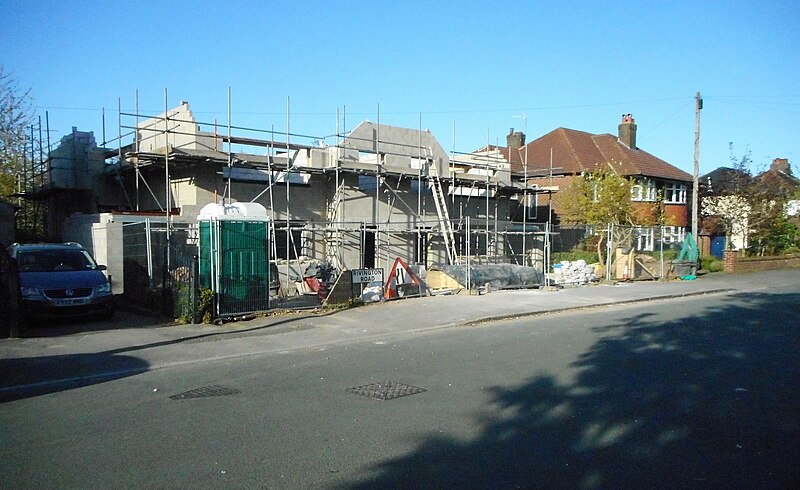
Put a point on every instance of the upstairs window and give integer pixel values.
(643, 190)
(675, 194)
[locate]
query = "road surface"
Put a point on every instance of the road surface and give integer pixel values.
(687, 392)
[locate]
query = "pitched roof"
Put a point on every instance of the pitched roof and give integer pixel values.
(576, 151)
(780, 179)
(723, 180)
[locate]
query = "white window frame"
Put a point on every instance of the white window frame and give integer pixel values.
(645, 238)
(672, 190)
(674, 234)
(643, 190)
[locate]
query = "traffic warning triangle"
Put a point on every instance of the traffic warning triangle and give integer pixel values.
(400, 274)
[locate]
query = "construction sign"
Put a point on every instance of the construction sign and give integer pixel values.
(401, 280)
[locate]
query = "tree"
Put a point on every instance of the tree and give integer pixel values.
(15, 115)
(749, 207)
(727, 201)
(603, 196)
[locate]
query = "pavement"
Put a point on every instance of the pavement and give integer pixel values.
(78, 356)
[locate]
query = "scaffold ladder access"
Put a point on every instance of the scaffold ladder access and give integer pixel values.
(441, 210)
(333, 230)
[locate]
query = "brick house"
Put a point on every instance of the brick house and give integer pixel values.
(558, 157)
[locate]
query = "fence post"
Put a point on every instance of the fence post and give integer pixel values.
(661, 257)
(609, 249)
(195, 281)
(167, 305)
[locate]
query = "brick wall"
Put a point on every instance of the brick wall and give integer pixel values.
(734, 263)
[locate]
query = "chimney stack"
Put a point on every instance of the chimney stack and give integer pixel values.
(627, 131)
(515, 139)
(781, 165)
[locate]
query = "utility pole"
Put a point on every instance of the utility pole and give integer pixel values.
(695, 187)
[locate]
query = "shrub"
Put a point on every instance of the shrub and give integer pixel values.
(711, 264)
(205, 305)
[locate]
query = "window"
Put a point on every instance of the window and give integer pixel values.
(531, 206)
(644, 239)
(674, 234)
(367, 183)
(477, 245)
(675, 194)
(298, 241)
(422, 187)
(643, 190)
(595, 191)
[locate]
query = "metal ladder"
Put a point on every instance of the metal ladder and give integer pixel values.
(333, 230)
(441, 210)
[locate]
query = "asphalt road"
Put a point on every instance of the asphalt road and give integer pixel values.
(687, 392)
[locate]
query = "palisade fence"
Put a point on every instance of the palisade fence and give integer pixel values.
(159, 270)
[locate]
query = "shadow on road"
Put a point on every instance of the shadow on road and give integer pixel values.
(55, 327)
(708, 401)
(28, 377)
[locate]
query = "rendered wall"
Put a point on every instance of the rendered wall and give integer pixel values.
(103, 239)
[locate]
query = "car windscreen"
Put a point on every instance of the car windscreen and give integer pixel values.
(54, 260)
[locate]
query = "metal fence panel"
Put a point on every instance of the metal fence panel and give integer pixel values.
(158, 267)
(244, 267)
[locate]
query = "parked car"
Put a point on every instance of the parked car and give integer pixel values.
(61, 280)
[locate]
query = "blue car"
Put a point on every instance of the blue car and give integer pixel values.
(59, 280)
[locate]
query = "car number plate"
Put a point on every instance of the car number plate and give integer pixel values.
(71, 302)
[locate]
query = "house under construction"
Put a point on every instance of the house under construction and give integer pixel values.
(377, 193)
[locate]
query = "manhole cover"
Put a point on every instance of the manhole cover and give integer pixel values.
(386, 390)
(205, 392)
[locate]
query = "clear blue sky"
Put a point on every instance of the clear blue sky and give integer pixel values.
(474, 65)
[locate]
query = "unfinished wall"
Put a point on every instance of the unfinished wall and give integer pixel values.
(182, 132)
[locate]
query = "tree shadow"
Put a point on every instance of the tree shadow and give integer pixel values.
(708, 401)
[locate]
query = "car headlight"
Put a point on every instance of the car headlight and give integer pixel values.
(103, 289)
(30, 293)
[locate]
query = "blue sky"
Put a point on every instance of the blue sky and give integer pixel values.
(475, 66)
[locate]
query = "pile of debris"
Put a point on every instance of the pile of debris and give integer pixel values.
(572, 273)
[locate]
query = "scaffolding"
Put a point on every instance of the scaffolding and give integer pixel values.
(375, 193)
(32, 180)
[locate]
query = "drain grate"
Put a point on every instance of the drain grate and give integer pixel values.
(206, 392)
(386, 390)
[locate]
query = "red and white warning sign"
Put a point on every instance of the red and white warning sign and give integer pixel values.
(399, 276)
